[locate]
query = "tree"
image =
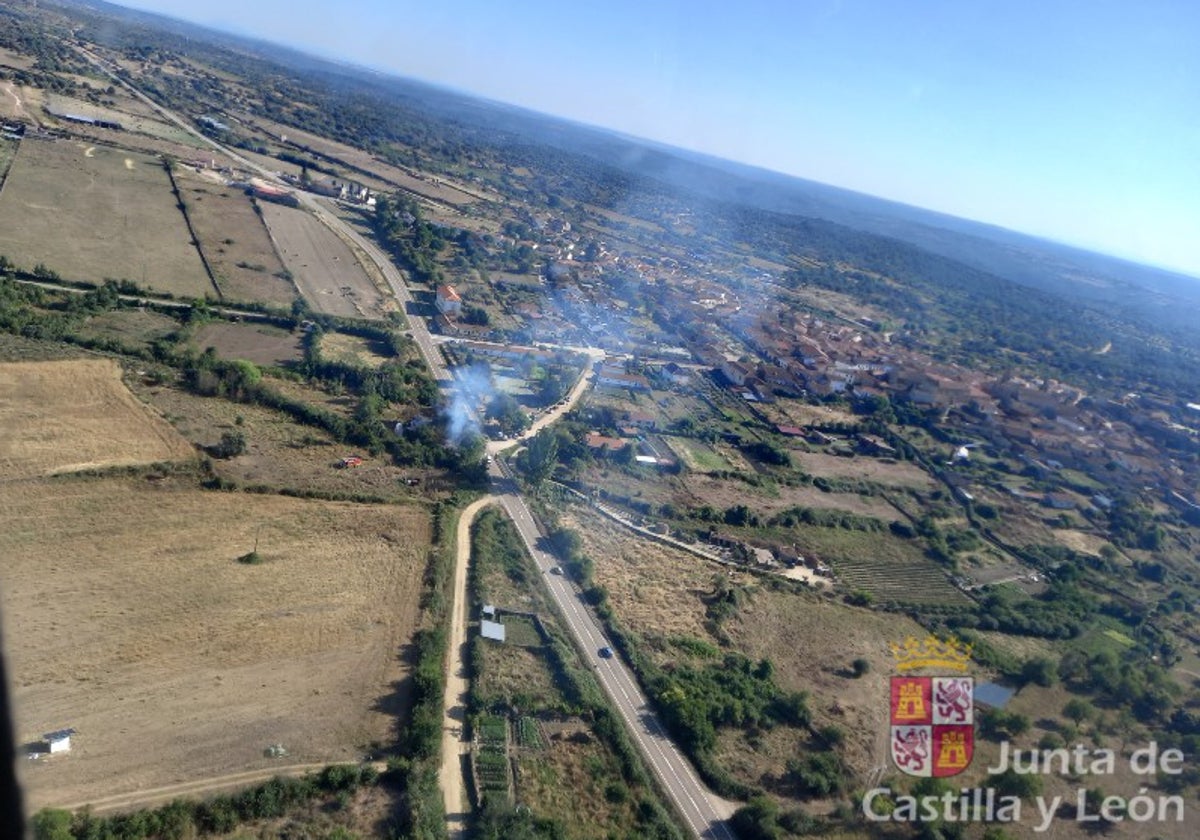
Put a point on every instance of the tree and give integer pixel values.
(542, 456)
(52, 824)
(1077, 710)
(1039, 671)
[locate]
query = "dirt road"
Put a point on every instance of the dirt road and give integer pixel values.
(454, 744)
(157, 796)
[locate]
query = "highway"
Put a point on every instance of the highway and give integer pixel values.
(704, 813)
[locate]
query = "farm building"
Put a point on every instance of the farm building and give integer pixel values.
(448, 301)
(493, 630)
(85, 120)
(58, 741)
(267, 192)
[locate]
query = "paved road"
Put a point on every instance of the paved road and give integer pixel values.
(704, 812)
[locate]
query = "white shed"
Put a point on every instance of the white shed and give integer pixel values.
(58, 741)
(493, 630)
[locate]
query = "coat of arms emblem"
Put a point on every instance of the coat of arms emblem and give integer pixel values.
(932, 717)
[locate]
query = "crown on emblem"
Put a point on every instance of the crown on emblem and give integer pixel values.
(931, 652)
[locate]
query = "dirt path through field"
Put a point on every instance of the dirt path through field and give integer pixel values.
(19, 110)
(454, 743)
(156, 796)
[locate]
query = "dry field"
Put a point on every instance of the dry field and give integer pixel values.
(656, 592)
(97, 212)
(16, 60)
(235, 241)
(655, 589)
(130, 326)
(129, 618)
(430, 187)
(61, 416)
(262, 344)
(887, 473)
(354, 350)
(812, 642)
(722, 493)
(324, 268)
(281, 453)
(19, 101)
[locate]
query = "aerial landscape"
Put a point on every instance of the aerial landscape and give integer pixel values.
(383, 460)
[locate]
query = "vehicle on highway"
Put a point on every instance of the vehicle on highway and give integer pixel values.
(606, 652)
(556, 570)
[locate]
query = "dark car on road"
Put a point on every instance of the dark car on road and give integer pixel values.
(606, 652)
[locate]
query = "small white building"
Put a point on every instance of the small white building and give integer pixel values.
(493, 630)
(58, 741)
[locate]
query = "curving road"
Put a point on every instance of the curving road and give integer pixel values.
(704, 813)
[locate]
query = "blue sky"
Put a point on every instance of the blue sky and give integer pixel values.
(1077, 120)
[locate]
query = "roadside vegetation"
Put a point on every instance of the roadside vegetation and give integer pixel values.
(552, 758)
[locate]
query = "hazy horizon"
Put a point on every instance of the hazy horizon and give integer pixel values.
(1027, 142)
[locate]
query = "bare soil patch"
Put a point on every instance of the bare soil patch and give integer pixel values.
(262, 344)
(63, 416)
(129, 618)
(324, 269)
(93, 212)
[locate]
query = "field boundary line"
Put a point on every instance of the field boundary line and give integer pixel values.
(187, 220)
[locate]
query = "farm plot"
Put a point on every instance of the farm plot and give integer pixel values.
(63, 416)
(765, 501)
(262, 344)
(236, 243)
(888, 567)
(561, 769)
(129, 618)
(325, 270)
(885, 472)
(92, 213)
(355, 350)
(132, 327)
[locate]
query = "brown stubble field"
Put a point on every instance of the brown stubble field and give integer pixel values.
(64, 416)
(94, 212)
(324, 269)
(128, 617)
(235, 242)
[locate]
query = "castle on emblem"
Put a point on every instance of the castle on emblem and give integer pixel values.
(932, 717)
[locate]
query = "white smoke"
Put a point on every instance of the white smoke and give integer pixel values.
(469, 390)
